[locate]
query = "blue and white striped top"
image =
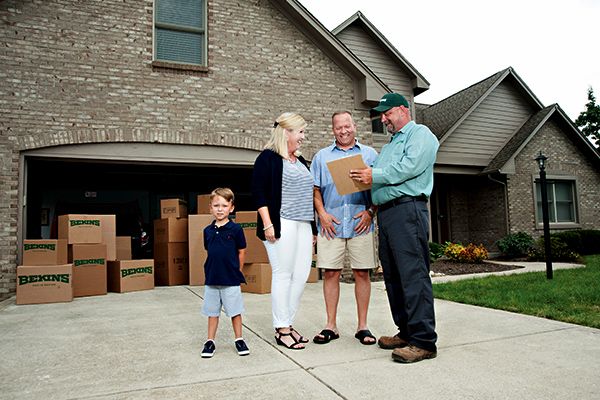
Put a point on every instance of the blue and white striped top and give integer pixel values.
(297, 192)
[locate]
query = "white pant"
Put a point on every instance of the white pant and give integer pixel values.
(290, 257)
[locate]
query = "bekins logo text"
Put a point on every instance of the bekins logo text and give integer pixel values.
(133, 271)
(77, 263)
(41, 246)
(76, 222)
(25, 279)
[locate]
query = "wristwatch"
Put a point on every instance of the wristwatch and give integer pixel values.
(371, 212)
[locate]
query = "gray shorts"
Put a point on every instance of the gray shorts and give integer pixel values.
(228, 297)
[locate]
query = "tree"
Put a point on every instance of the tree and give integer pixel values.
(589, 120)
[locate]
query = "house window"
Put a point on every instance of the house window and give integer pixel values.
(180, 31)
(561, 201)
(376, 124)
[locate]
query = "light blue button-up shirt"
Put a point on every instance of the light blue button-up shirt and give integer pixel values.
(405, 165)
(343, 208)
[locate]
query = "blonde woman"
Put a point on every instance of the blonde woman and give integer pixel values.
(282, 187)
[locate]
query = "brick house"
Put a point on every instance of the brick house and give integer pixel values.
(487, 179)
(485, 174)
(110, 106)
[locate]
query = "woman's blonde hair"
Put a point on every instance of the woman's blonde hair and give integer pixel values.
(278, 141)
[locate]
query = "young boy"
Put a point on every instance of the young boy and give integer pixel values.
(226, 246)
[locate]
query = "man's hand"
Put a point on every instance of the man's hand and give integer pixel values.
(364, 225)
(364, 175)
(327, 228)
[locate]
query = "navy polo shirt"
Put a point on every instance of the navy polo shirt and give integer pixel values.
(222, 266)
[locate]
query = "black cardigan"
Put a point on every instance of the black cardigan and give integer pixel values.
(267, 178)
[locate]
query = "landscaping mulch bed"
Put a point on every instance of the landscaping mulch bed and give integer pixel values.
(447, 267)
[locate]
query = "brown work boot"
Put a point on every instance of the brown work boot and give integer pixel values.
(411, 354)
(391, 342)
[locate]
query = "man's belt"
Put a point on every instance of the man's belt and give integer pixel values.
(400, 200)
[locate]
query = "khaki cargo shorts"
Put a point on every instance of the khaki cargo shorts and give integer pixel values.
(361, 250)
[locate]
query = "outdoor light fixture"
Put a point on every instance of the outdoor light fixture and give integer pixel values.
(541, 160)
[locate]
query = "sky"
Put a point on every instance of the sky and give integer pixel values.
(552, 45)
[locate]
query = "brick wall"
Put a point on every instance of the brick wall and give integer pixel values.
(564, 158)
(81, 72)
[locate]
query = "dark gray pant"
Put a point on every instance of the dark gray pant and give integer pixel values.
(404, 255)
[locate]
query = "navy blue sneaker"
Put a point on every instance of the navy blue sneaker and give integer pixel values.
(209, 349)
(241, 347)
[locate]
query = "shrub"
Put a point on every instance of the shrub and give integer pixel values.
(559, 249)
(436, 250)
(469, 254)
(515, 245)
(585, 241)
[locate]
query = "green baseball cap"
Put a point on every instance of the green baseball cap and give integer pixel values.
(390, 100)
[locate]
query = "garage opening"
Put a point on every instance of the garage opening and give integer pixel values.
(130, 189)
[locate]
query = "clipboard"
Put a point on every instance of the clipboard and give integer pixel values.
(340, 172)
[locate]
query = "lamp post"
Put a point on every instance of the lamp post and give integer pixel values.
(541, 160)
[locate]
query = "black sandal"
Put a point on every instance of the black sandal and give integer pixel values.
(325, 336)
(292, 346)
(362, 335)
(299, 338)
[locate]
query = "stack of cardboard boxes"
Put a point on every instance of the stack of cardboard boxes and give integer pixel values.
(45, 276)
(171, 244)
(87, 259)
(86, 250)
(257, 270)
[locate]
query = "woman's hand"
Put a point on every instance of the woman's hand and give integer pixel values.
(270, 234)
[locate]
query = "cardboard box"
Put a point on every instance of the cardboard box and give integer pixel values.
(258, 278)
(197, 252)
(203, 204)
(45, 252)
(44, 284)
(80, 228)
(171, 264)
(171, 230)
(255, 250)
(130, 275)
(313, 277)
(123, 247)
(108, 224)
(89, 269)
(173, 208)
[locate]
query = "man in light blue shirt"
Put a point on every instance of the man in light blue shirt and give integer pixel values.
(345, 224)
(402, 181)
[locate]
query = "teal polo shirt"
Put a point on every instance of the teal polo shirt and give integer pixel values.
(405, 165)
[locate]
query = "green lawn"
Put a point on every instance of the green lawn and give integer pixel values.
(572, 296)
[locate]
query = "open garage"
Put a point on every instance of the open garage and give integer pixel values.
(127, 180)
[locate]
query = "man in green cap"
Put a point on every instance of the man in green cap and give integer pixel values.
(402, 181)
